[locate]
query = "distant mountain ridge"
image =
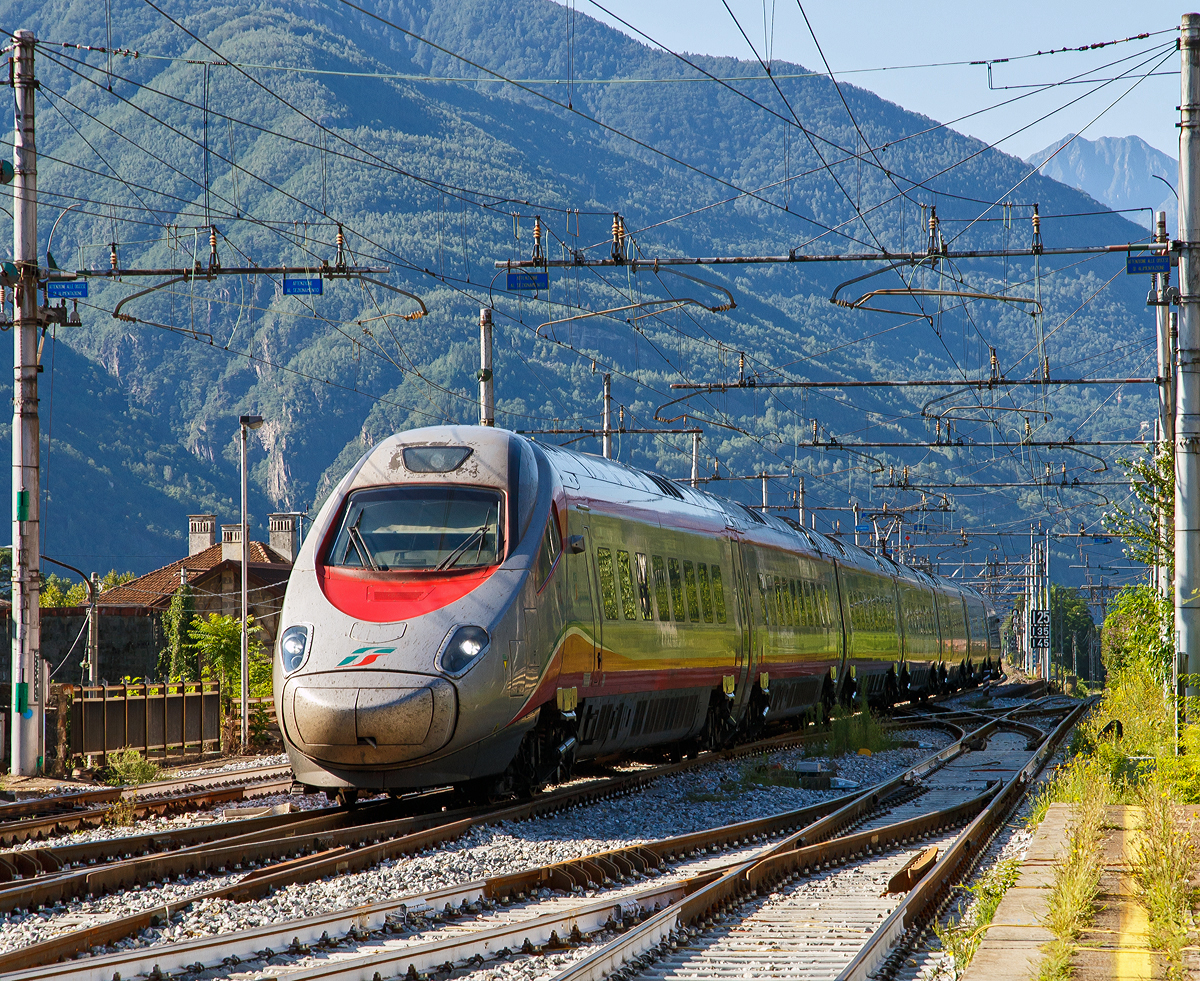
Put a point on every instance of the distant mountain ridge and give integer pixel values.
(1119, 171)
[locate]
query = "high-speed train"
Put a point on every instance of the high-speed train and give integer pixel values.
(475, 608)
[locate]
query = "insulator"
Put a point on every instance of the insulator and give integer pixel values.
(1028, 430)
(995, 363)
(1046, 368)
(212, 238)
(906, 475)
(621, 418)
(816, 434)
(112, 254)
(742, 365)
(537, 236)
(1036, 246)
(617, 235)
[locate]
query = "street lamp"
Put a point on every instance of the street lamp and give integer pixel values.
(247, 423)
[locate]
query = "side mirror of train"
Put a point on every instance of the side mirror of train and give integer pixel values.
(575, 544)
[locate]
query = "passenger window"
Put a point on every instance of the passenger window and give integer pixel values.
(797, 603)
(626, 575)
(718, 593)
(644, 587)
(705, 597)
(608, 589)
(762, 593)
(660, 588)
(676, 588)
(689, 580)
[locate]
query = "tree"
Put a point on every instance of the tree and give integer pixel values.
(218, 641)
(60, 591)
(1147, 527)
(177, 661)
(1137, 631)
(1070, 619)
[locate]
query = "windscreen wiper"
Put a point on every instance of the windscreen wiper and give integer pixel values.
(360, 546)
(480, 533)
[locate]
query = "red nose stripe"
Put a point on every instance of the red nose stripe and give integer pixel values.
(371, 597)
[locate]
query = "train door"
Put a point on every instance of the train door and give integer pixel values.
(744, 648)
(597, 667)
(579, 654)
(752, 637)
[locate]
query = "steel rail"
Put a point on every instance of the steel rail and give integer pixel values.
(330, 852)
(900, 928)
(798, 855)
(23, 829)
(575, 875)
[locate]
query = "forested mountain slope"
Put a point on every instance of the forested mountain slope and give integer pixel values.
(437, 179)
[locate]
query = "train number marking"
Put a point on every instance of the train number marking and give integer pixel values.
(364, 656)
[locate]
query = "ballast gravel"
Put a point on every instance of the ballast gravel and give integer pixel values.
(681, 803)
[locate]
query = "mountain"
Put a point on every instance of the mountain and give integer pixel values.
(434, 168)
(1119, 171)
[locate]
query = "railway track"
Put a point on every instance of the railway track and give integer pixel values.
(43, 817)
(870, 830)
(279, 850)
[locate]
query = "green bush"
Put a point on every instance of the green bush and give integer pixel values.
(128, 768)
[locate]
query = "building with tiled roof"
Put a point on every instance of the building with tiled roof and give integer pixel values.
(131, 613)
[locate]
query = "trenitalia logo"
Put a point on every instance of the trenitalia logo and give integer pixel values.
(364, 656)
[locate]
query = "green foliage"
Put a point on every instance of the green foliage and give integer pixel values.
(1139, 630)
(851, 732)
(177, 661)
(1147, 526)
(1167, 857)
(127, 768)
(1071, 904)
(218, 641)
(1072, 622)
(961, 937)
(145, 416)
(60, 591)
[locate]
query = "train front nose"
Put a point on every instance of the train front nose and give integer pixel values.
(369, 718)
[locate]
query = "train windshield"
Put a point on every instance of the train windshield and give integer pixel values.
(424, 529)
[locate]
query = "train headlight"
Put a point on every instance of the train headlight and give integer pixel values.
(293, 647)
(463, 647)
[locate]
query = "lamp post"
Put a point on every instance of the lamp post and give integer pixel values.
(247, 423)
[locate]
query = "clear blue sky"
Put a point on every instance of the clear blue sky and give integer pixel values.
(870, 34)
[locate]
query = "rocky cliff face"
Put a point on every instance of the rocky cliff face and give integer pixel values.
(1121, 172)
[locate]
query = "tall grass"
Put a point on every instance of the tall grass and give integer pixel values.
(851, 732)
(1166, 860)
(1072, 899)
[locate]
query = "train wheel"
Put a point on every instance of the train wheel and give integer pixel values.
(346, 797)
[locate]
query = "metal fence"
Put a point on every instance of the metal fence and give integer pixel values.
(183, 717)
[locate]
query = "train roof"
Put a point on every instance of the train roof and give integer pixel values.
(595, 476)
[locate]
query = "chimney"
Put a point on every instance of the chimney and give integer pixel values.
(202, 532)
(285, 534)
(231, 543)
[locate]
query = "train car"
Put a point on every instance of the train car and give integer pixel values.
(473, 608)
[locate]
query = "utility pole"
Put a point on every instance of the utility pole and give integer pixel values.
(1166, 392)
(487, 391)
(607, 447)
(27, 703)
(695, 459)
(1187, 406)
(1049, 612)
(94, 629)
